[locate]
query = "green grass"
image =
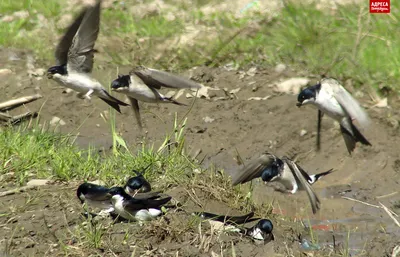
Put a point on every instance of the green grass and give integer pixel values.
(43, 154)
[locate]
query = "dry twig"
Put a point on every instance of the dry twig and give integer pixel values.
(368, 204)
(11, 104)
(390, 213)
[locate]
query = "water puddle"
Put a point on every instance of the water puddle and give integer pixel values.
(353, 233)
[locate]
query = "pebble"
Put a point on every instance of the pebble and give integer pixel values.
(208, 119)
(280, 68)
(292, 85)
(97, 182)
(303, 132)
(5, 71)
(57, 121)
(37, 182)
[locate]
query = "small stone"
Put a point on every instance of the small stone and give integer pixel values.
(292, 85)
(5, 71)
(208, 119)
(170, 16)
(198, 171)
(67, 91)
(21, 14)
(280, 68)
(359, 94)
(37, 72)
(37, 182)
(98, 182)
(251, 72)
(170, 94)
(303, 132)
(57, 121)
(383, 103)
(235, 91)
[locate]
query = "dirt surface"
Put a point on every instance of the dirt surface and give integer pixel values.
(249, 127)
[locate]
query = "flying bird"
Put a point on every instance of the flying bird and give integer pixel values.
(95, 196)
(283, 170)
(142, 84)
(74, 58)
(134, 209)
(330, 97)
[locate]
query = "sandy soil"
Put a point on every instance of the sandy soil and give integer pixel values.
(249, 126)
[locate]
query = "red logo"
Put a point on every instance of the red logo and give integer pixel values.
(379, 6)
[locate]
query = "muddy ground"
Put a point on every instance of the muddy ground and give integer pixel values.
(371, 174)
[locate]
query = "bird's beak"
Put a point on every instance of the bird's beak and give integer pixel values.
(49, 75)
(298, 104)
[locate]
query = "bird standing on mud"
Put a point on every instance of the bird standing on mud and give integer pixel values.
(142, 83)
(74, 56)
(261, 231)
(285, 171)
(95, 196)
(333, 99)
(136, 209)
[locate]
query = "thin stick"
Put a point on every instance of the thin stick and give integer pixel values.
(17, 102)
(16, 190)
(384, 196)
(389, 212)
(4, 116)
(372, 205)
(21, 117)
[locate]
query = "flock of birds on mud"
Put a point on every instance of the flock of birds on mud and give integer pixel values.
(135, 201)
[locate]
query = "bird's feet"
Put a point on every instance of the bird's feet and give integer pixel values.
(289, 192)
(87, 95)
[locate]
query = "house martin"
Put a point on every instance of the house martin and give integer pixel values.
(137, 184)
(283, 170)
(74, 58)
(95, 196)
(331, 98)
(142, 83)
(261, 231)
(134, 209)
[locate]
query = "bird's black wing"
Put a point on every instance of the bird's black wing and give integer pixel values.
(301, 180)
(81, 52)
(61, 53)
(157, 79)
(134, 204)
(253, 169)
(136, 111)
(235, 220)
